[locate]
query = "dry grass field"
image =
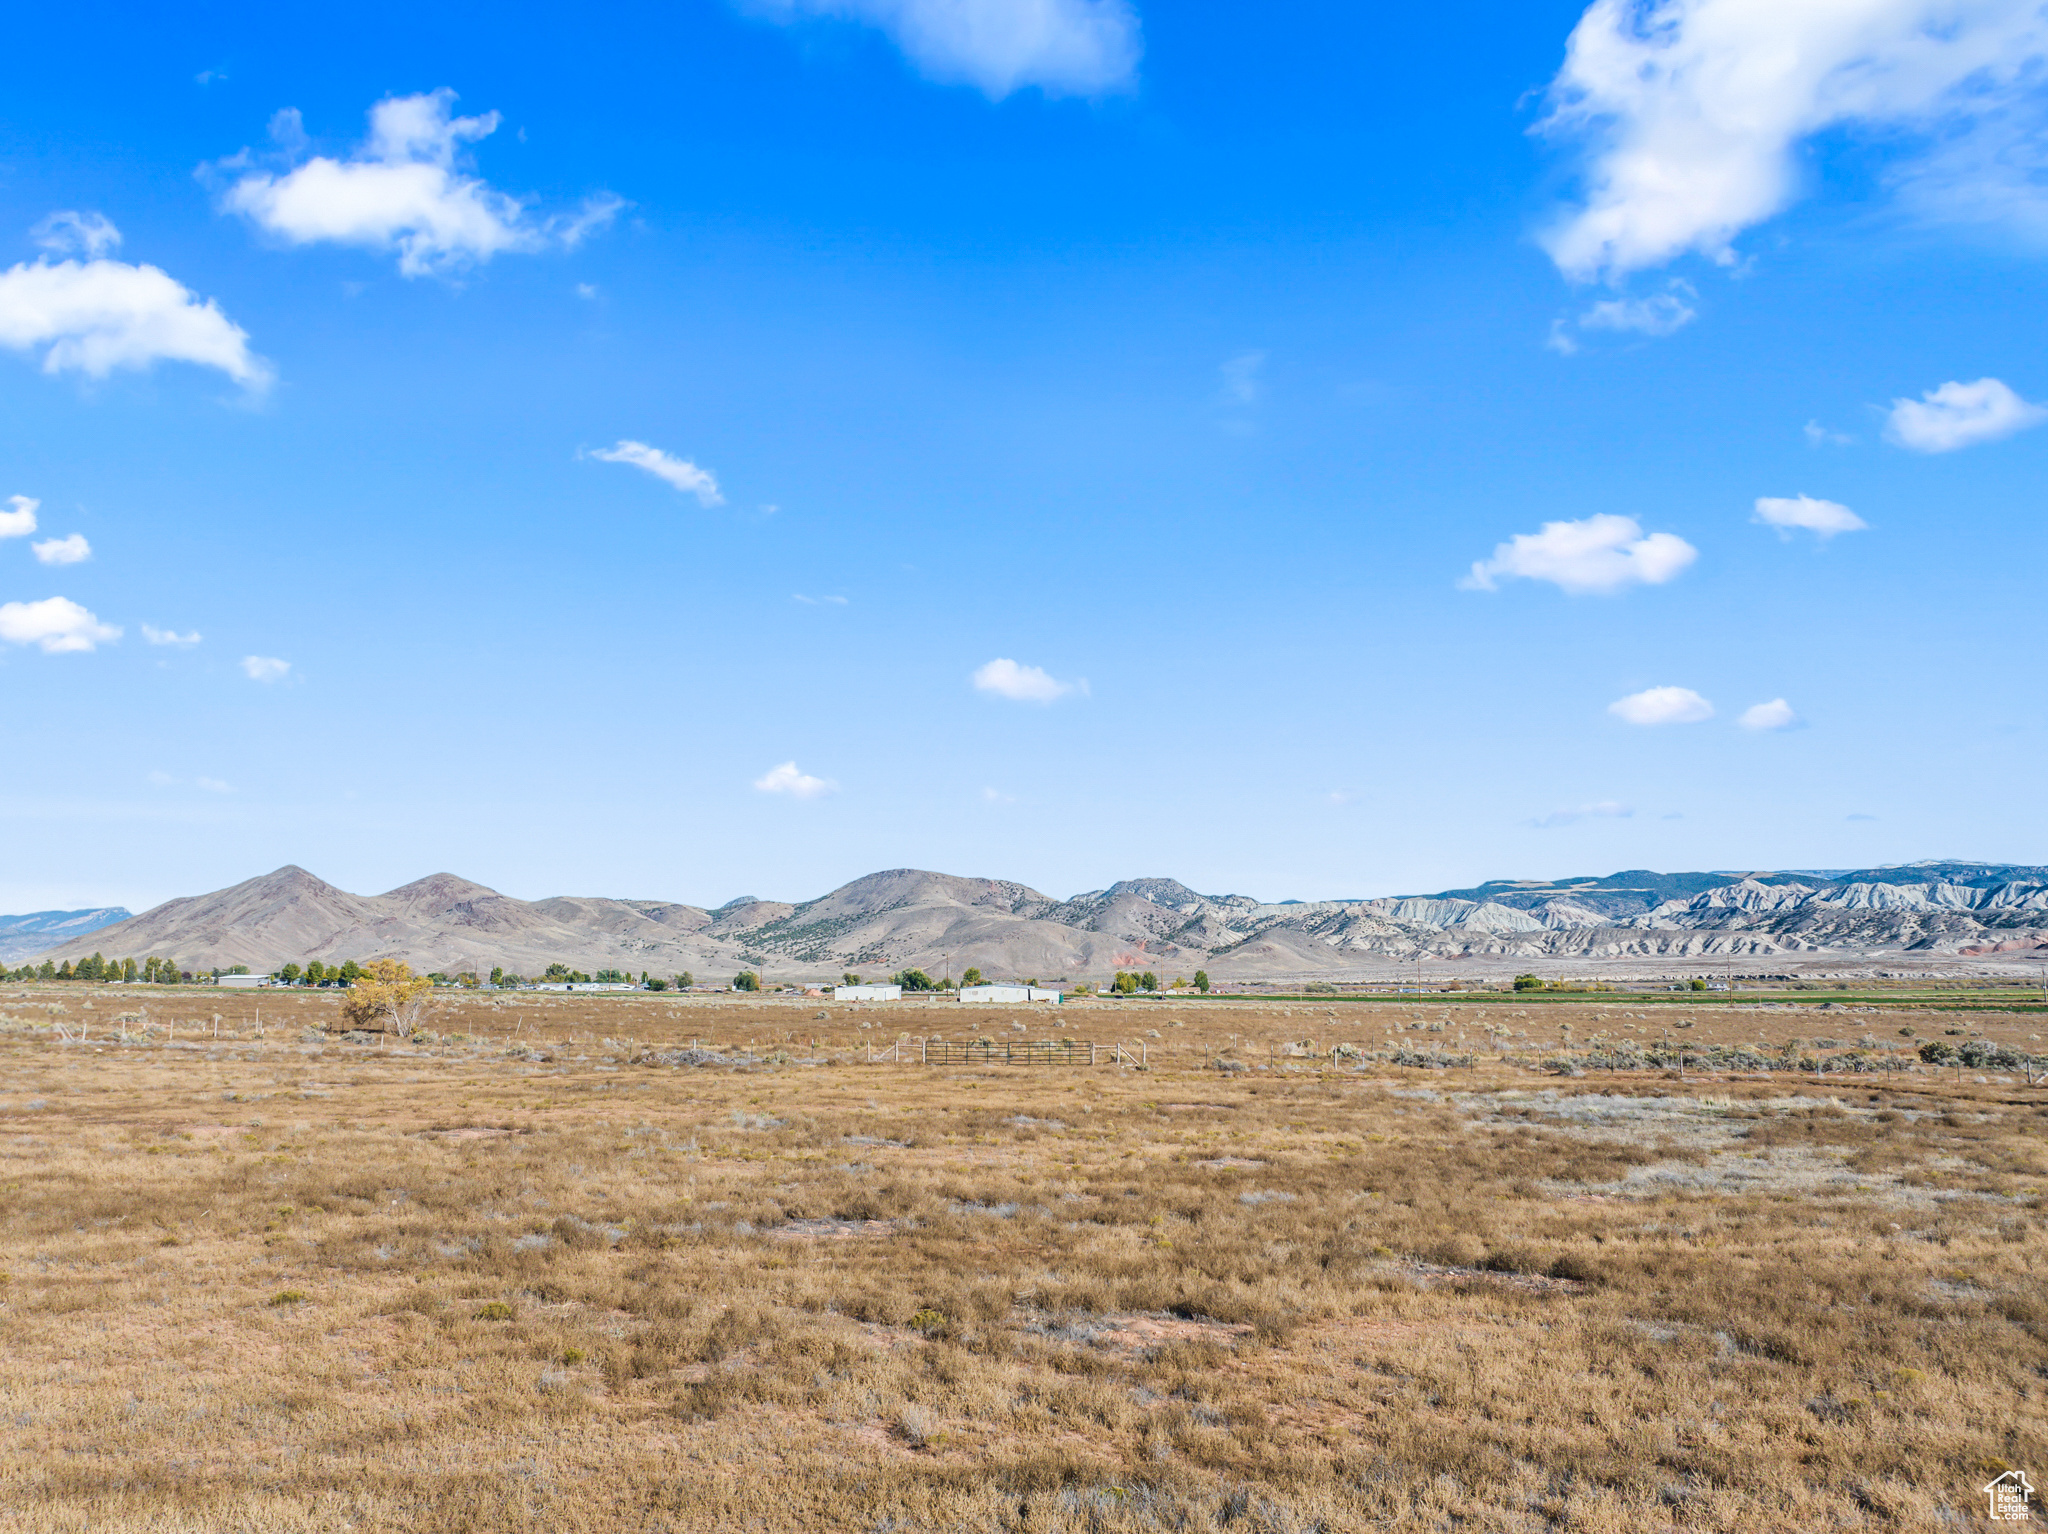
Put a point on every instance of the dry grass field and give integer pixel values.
(646, 1263)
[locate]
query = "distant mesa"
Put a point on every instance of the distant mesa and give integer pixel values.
(907, 917)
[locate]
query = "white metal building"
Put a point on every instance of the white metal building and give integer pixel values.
(241, 982)
(867, 993)
(1010, 993)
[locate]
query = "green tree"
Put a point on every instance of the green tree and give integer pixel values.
(914, 980)
(349, 973)
(497, 975)
(657, 985)
(1694, 985)
(972, 977)
(1528, 982)
(1202, 981)
(849, 979)
(289, 974)
(1123, 984)
(746, 980)
(683, 981)
(1148, 981)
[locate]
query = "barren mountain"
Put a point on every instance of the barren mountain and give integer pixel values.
(944, 923)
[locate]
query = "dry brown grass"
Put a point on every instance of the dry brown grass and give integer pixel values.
(575, 1264)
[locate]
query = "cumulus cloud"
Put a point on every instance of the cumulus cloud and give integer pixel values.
(997, 796)
(1605, 809)
(1690, 113)
(1818, 435)
(1960, 415)
(1662, 705)
(71, 550)
(1774, 715)
(406, 189)
(786, 779)
(73, 233)
(21, 521)
(1823, 519)
(57, 625)
(679, 472)
(213, 785)
(265, 668)
(97, 315)
(1600, 553)
(1064, 47)
(169, 637)
(1023, 684)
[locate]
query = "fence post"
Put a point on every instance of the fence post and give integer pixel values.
(1091, 1053)
(1144, 1055)
(920, 1051)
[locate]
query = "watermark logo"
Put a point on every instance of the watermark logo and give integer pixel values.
(2009, 1495)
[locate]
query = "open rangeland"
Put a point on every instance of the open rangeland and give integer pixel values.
(641, 1262)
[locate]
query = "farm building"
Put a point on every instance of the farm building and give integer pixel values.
(867, 993)
(1010, 993)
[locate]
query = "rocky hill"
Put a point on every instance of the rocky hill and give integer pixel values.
(944, 923)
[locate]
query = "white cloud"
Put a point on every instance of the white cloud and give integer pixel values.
(819, 601)
(1662, 705)
(997, 796)
(1600, 553)
(1658, 315)
(63, 551)
(1605, 809)
(212, 785)
(56, 624)
(404, 190)
(1241, 382)
(1064, 47)
(21, 521)
(1023, 684)
(1774, 715)
(1960, 415)
(1818, 435)
(71, 233)
(96, 316)
(785, 779)
(265, 668)
(169, 637)
(1823, 519)
(679, 472)
(1691, 112)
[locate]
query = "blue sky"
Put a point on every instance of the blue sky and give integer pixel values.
(686, 451)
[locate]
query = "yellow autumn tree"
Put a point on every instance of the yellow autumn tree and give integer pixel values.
(387, 996)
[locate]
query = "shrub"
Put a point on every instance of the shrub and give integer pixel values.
(288, 1297)
(497, 1310)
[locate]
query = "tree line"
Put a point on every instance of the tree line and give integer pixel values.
(104, 971)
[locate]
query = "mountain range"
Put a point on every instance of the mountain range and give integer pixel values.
(945, 923)
(21, 936)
